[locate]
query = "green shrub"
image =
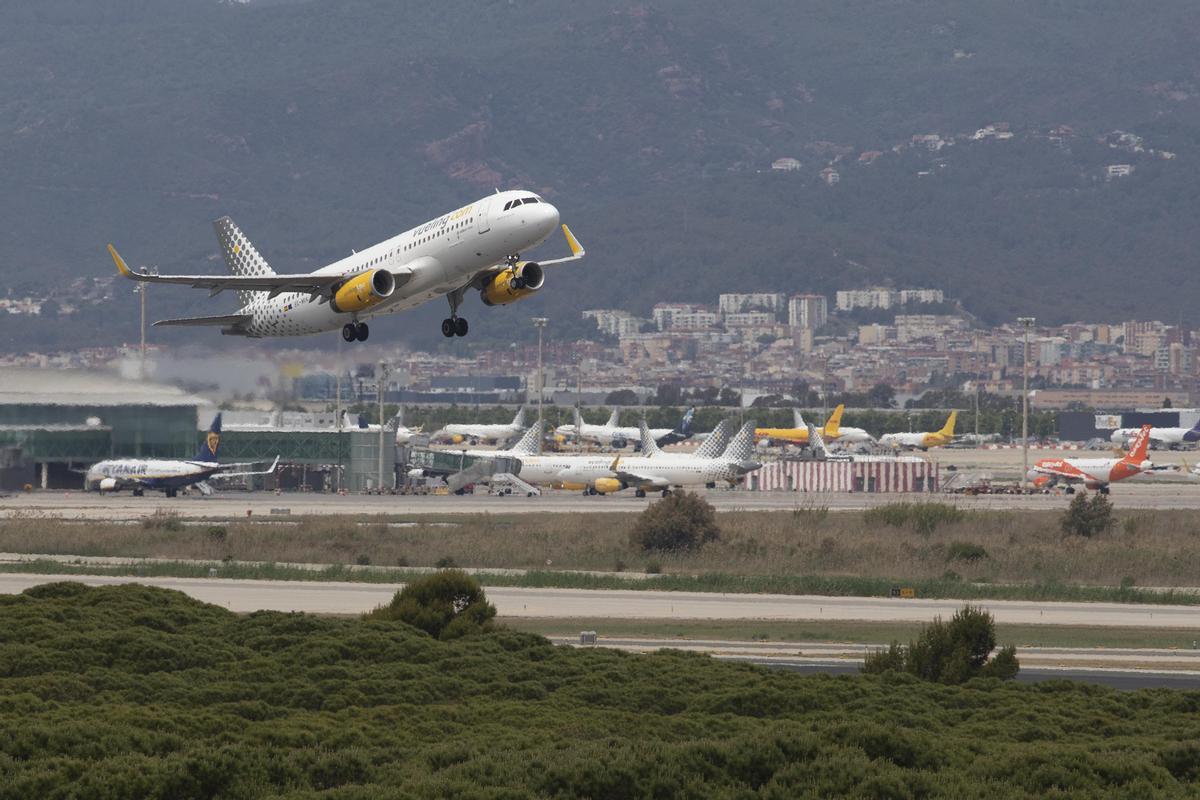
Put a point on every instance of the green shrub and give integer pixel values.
(1088, 516)
(446, 605)
(363, 560)
(217, 533)
(163, 520)
(445, 562)
(924, 518)
(951, 652)
(653, 568)
(965, 551)
(681, 521)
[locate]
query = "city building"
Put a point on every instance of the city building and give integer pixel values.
(808, 311)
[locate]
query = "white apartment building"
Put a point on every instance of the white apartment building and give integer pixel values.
(740, 303)
(809, 311)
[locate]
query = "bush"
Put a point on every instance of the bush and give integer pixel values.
(1088, 516)
(679, 522)
(951, 652)
(446, 605)
(217, 533)
(363, 560)
(445, 562)
(965, 551)
(923, 518)
(163, 520)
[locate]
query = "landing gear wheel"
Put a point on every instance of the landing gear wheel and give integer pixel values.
(448, 328)
(361, 331)
(640, 493)
(666, 493)
(1070, 490)
(349, 332)
(138, 493)
(1103, 490)
(171, 493)
(460, 327)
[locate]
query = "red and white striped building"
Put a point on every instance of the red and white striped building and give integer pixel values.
(876, 475)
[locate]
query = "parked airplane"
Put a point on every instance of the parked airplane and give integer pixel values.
(602, 474)
(923, 440)
(170, 475)
(832, 431)
(1171, 438)
(474, 434)
(616, 436)
(822, 453)
(476, 247)
(403, 435)
(1093, 473)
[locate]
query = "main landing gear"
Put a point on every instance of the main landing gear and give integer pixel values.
(454, 326)
(355, 331)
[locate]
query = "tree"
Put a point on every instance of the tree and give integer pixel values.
(881, 396)
(622, 397)
(951, 652)
(1088, 517)
(447, 605)
(679, 522)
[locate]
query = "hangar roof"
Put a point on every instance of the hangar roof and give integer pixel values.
(79, 387)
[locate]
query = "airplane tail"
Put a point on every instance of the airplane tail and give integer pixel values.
(612, 418)
(241, 256)
(649, 446)
(834, 423)
(716, 442)
(1141, 443)
(519, 419)
(741, 446)
(578, 419)
(527, 445)
(948, 428)
(798, 419)
(212, 442)
(685, 425)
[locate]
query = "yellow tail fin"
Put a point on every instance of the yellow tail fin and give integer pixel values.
(948, 428)
(834, 424)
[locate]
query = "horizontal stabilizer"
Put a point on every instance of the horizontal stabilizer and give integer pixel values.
(230, 320)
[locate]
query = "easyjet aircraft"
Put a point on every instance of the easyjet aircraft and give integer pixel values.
(1094, 473)
(476, 247)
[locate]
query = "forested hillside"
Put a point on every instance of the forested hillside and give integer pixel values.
(324, 126)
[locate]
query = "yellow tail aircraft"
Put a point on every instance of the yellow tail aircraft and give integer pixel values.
(832, 431)
(923, 440)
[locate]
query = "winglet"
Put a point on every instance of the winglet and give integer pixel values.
(121, 266)
(576, 248)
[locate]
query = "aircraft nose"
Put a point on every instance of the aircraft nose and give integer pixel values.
(546, 217)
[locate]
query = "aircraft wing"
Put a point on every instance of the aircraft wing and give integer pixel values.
(636, 479)
(221, 319)
(577, 251)
(267, 471)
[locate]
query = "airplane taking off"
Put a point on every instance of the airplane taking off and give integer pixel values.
(798, 435)
(616, 436)
(1093, 473)
(476, 247)
(170, 475)
(923, 440)
(460, 432)
(1170, 438)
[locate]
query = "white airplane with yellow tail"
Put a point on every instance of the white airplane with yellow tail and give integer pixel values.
(476, 247)
(922, 439)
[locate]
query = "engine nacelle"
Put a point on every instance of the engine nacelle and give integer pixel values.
(607, 485)
(363, 291)
(512, 283)
(107, 485)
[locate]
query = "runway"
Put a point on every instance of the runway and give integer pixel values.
(259, 505)
(320, 597)
(1114, 667)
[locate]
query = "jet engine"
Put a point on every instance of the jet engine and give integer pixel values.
(512, 283)
(107, 484)
(607, 485)
(363, 291)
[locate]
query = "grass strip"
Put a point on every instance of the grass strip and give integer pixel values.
(938, 589)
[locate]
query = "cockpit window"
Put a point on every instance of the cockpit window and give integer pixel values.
(508, 205)
(530, 200)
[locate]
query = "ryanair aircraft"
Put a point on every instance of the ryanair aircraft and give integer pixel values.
(477, 248)
(169, 475)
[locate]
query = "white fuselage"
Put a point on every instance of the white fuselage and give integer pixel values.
(429, 261)
(152, 473)
(852, 436)
(659, 471)
(483, 433)
(607, 434)
(1161, 436)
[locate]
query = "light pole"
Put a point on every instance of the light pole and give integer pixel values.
(540, 324)
(140, 290)
(380, 383)
(1027, 323)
